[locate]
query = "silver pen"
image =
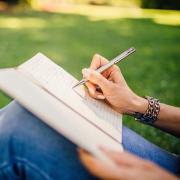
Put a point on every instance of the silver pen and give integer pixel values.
(108, 65)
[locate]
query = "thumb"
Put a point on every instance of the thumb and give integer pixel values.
(96, 78)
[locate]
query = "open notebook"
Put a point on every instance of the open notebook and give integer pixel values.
(45, 89)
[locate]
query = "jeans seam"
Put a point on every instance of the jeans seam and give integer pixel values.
(28, 164)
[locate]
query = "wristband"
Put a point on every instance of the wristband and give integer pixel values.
(152, 112)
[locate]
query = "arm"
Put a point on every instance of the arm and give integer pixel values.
(120, 97)
(115, 91)
(168, 118)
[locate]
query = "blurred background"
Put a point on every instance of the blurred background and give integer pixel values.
(71, 31)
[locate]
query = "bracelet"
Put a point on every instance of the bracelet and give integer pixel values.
(152, 112)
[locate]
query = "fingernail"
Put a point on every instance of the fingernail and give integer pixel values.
(97, 55)
(86, 72)
(100, 97)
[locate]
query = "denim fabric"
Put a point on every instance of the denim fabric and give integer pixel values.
(30, 149)
(139, 146)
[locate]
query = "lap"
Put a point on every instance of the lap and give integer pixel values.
(23, 136)
(26, 139)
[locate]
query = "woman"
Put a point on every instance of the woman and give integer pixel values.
(29, 149)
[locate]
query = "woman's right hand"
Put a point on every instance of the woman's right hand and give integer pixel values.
(113, 88)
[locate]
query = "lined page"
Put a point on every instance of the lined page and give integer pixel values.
(58, 83)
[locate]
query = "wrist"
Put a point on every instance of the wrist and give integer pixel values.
(151, 114)
(139, 105)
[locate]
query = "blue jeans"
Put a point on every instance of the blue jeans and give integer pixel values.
(30, 149)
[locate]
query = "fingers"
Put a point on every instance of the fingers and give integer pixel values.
(96, 78)
(93, 91)
(95, 166)
(98, 168)
(92, 88)
(99, 61)
(122, 158)
(107, 81)
(117, 77)
(113, 71)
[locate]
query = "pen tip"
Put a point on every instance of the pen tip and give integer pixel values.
(74, 86)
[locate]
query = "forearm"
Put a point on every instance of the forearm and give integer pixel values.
(168, 118)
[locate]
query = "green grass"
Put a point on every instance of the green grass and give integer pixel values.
(71, 39)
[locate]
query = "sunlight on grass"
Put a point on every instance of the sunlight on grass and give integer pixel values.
(166, 17)
(17, 23)
(173, 20)
(96, 13)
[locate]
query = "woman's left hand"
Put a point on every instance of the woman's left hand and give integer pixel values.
(129, 167)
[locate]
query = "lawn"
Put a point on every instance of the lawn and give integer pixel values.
(71, 38)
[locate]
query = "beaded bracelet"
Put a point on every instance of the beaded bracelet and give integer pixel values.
(153, 107)
(152, 112)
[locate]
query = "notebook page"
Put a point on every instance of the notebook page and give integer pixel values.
(59, 83)
(55, 114)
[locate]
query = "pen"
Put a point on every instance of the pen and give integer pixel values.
(108, 65)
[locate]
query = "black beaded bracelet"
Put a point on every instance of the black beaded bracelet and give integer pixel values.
(152, 112)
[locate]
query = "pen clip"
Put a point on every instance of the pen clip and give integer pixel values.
(124, 54)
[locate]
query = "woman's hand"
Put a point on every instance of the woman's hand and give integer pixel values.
(113, 87)
(129, 167)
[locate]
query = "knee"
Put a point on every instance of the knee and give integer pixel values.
(14, 119)
(23, 133)
(12, 114)
(19, 130)
(23, 136)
